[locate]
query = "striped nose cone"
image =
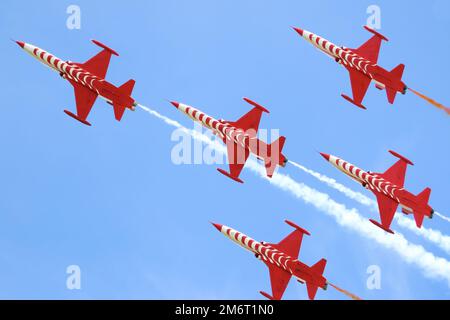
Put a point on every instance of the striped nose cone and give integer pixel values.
(299, 31)
(325, 156)
(20, 44)
(217, 226)
(175, 104)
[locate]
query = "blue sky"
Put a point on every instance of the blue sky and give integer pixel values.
(108, 197)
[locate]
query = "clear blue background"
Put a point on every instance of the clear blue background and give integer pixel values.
(109, 199)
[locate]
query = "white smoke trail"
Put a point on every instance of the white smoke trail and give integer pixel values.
(434, 236)
(357, 196)
(431, 265)
(431, 235)
(440, 215)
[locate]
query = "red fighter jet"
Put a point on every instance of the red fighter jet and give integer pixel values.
(362, 65)
(241, 139)
(282, 260)
(88, 80)
(388, 188)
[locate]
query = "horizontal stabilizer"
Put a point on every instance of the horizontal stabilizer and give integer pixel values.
(127, 87)
(418, 218)
(118, 111)
(312, 290)
(397, 72)
(319, 267)
(423, 198)
(275, 156)
(396, 76)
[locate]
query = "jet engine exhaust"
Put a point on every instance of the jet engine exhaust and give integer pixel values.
(434, 103)
(348, 294)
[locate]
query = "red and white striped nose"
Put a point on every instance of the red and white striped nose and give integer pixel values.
(326, 156)
(217, 226)
(20, 44)
(298, 30)
(180, 106)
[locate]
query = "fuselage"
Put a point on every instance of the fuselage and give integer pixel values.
(74, 73)
(272, 256)
(351, 60)
(227, 132)
(378, 184)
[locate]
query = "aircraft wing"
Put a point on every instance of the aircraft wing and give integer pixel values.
(237, 156)
(360, 83)
(387, 208)
(396, 174)
(251, 120)
(291, 244)
(279, 280)
(84, 98)
(98, 64)
(370, 49)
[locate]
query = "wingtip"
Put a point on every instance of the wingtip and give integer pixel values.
(104, 46)
(266, 295)
(396, 154)
(379, 225)
(295, 226)
(257, 105)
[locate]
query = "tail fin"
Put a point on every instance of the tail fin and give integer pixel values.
(318, 269)
(422, 197)
(396, 76)
(127, 89)
(275, 156)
